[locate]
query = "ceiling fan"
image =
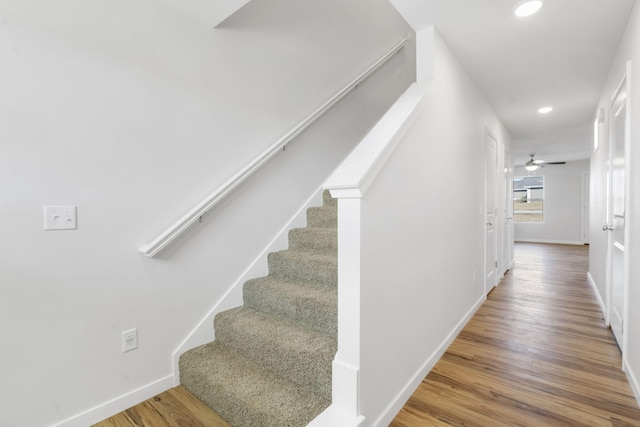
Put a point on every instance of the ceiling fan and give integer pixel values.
(533, 164)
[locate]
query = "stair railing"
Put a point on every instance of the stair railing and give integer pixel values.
(201, 209)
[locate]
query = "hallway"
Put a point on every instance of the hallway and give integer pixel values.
(536, 353)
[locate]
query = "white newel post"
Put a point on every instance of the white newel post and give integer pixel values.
(346, 365)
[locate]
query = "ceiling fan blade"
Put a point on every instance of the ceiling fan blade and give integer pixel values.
(555, 163)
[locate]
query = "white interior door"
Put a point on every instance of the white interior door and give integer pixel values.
(491, 210)
(619, 140)
(507, 252)
(585, 207)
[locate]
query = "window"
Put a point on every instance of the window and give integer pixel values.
(528, 199)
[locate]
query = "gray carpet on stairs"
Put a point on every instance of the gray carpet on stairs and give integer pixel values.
(270, 365)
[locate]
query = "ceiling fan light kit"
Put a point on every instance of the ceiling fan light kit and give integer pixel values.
(533, 164)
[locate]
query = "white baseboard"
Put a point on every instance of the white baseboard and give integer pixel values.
(203, 332)
(332, 417)
(396, 405)
(555, 242)
(119, 404)
(634, 382)
(598, 296)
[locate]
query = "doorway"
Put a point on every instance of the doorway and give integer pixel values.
(586, 177)
(618, 188)
(491, 213)
(507, 236)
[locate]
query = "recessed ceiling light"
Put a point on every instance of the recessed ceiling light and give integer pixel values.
(527, 7)
(545, 110)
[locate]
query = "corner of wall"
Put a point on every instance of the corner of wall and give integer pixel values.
(424, 54)
(209, 13)
(634, 382)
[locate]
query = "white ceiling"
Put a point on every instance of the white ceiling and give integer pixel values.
(559, 56)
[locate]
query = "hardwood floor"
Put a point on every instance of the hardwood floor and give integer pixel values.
(536, 353)
(173, 408)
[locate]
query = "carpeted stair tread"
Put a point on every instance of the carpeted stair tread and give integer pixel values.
(244, 394)
(269, 340)
(311, 306)
(308, 267)
(314, 239)
(270, 365)
(327, 200)
(322, 216)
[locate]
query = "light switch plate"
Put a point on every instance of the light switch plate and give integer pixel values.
(60, 218)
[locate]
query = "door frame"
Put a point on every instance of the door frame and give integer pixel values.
(487, 287)
(626, 85)
(585, 208)
(508, 216)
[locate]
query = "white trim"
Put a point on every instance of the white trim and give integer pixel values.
(598, 297)
(401, 398)
(361, 167)
(584, 214)
(201, 209)
(118, 404)
(346, 364)
(629, 217)
(485, 219)
(554, 242)
(203, 332)
(332, 417)
(633, 381)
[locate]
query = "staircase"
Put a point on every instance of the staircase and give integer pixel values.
(270, 363)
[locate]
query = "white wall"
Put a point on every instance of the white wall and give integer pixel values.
(562, 205)
(421, 241)
(134, 113)
(629, 49)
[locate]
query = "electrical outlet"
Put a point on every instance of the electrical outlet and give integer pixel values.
(129, 340)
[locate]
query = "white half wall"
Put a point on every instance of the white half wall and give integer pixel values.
(562, 205)
(134, 113)
(421, 241)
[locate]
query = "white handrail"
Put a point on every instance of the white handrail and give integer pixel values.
(202, 208)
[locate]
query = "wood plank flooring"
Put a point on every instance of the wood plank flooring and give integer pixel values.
(536, 353)
(173, 408)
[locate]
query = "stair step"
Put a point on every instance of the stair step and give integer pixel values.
(314, 239)
(308, 267)
(295, 352)
(314, 307)
(244, 394)
(327, 200)
(322, 216)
